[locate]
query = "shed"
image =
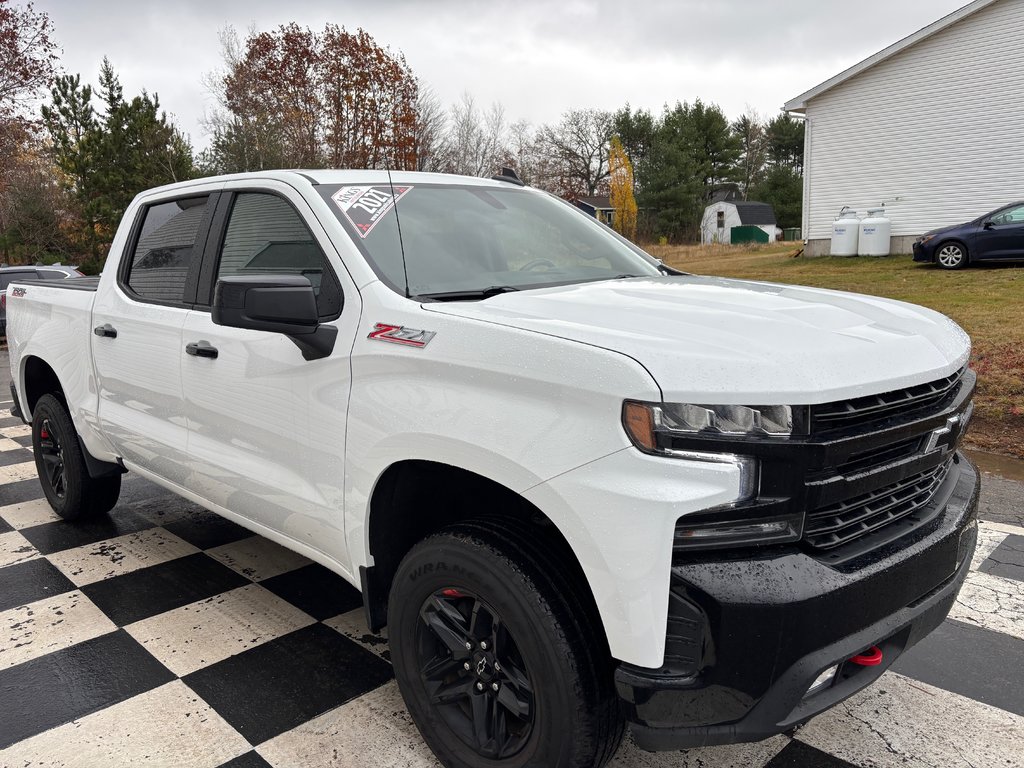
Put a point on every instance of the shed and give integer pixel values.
(930, 127)
(600, 208)
(720, 218)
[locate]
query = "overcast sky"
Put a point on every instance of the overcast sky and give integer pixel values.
(536, 58)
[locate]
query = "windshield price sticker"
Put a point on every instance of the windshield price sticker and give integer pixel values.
(364, 206)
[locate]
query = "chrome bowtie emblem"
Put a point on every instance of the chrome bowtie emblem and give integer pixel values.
(941, 432)
(481, 666)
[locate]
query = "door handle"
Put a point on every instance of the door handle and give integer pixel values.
(106, 330)
(201, 349)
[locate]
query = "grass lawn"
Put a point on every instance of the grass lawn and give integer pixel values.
(988, 302)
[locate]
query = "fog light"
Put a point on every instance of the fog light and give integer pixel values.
(822, 681)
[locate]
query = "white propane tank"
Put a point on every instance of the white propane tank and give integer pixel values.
(845, 231)
(875, 230)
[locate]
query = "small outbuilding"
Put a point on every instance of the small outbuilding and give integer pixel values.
(720, 218)
(600, 208)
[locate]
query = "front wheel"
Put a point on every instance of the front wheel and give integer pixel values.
(495, 667)
(72, 493)
(951, 256)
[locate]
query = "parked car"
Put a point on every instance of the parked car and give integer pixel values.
(10, 274)
(996, 236)
(580, 488)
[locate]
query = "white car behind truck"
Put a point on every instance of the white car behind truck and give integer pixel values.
(580, 488)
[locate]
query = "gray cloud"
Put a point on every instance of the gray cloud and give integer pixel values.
(536, 58)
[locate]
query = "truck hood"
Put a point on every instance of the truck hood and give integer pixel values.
(712, 340)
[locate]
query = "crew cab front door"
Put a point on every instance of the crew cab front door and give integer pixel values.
(266, 427)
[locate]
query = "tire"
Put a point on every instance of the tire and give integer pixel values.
(534, 688)
(951, 255)
(62, 469)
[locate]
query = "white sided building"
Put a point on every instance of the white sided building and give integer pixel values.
(720, 217)
(931, 127)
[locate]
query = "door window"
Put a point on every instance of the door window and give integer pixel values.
(1011, 216)
(266, 236)
(166, 248)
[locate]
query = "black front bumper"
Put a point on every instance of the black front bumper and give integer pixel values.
(749, 634)
(923, 253)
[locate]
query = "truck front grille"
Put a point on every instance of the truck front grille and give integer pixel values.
(843, 414)
(848, 520)
(864, 471)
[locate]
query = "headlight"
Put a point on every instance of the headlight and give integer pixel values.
(747, 519)
(925, 238)
(643, 421)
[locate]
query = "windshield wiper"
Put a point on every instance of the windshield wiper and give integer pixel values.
(469, 295)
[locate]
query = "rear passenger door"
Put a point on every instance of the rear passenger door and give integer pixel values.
(267, 427)
(136, 343)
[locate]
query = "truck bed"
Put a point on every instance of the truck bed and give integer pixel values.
(71, 284)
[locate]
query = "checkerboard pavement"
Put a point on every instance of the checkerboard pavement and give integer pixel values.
(164, 635)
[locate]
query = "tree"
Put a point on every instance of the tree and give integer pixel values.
(28, 61)
(28, 58)
(621, 174)
(523, 153)
(716, 149)
(296, 98)
(474, 140)
(783, 189)
(785, 136)
(672, 190)
(782, 186)
(750, 130)
(33, 211)
(107, 158)
(636, 132)
(577, 148)
(430, 126)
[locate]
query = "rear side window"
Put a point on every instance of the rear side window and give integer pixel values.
(166, 248)
(6, 278)
(52, 274)
(266, 236)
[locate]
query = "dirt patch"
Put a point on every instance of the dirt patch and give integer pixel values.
(1004, 436)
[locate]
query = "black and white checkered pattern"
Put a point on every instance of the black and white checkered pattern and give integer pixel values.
(165, 635)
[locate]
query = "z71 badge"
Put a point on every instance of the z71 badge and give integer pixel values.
(397, 334)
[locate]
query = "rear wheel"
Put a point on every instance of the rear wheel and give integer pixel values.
(63, 474)
(951, 256)
(493, 661)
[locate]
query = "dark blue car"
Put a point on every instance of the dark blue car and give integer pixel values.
(996, 236)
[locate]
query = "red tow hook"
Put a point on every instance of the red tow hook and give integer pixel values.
(872, 657)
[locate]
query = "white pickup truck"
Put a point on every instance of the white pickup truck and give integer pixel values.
(580, 488)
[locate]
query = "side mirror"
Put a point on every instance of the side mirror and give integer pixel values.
(283, 304)
(988, 225)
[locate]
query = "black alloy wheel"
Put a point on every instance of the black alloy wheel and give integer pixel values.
(60, 462)
(498, 653)
(474, 673)
(52, 456)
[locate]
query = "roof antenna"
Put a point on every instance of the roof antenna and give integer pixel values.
(397, 220)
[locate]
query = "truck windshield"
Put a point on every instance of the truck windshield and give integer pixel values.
(465, 242)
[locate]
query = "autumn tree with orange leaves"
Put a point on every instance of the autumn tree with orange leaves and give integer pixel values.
(28, 61)
(620, 171)
(295, 98)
